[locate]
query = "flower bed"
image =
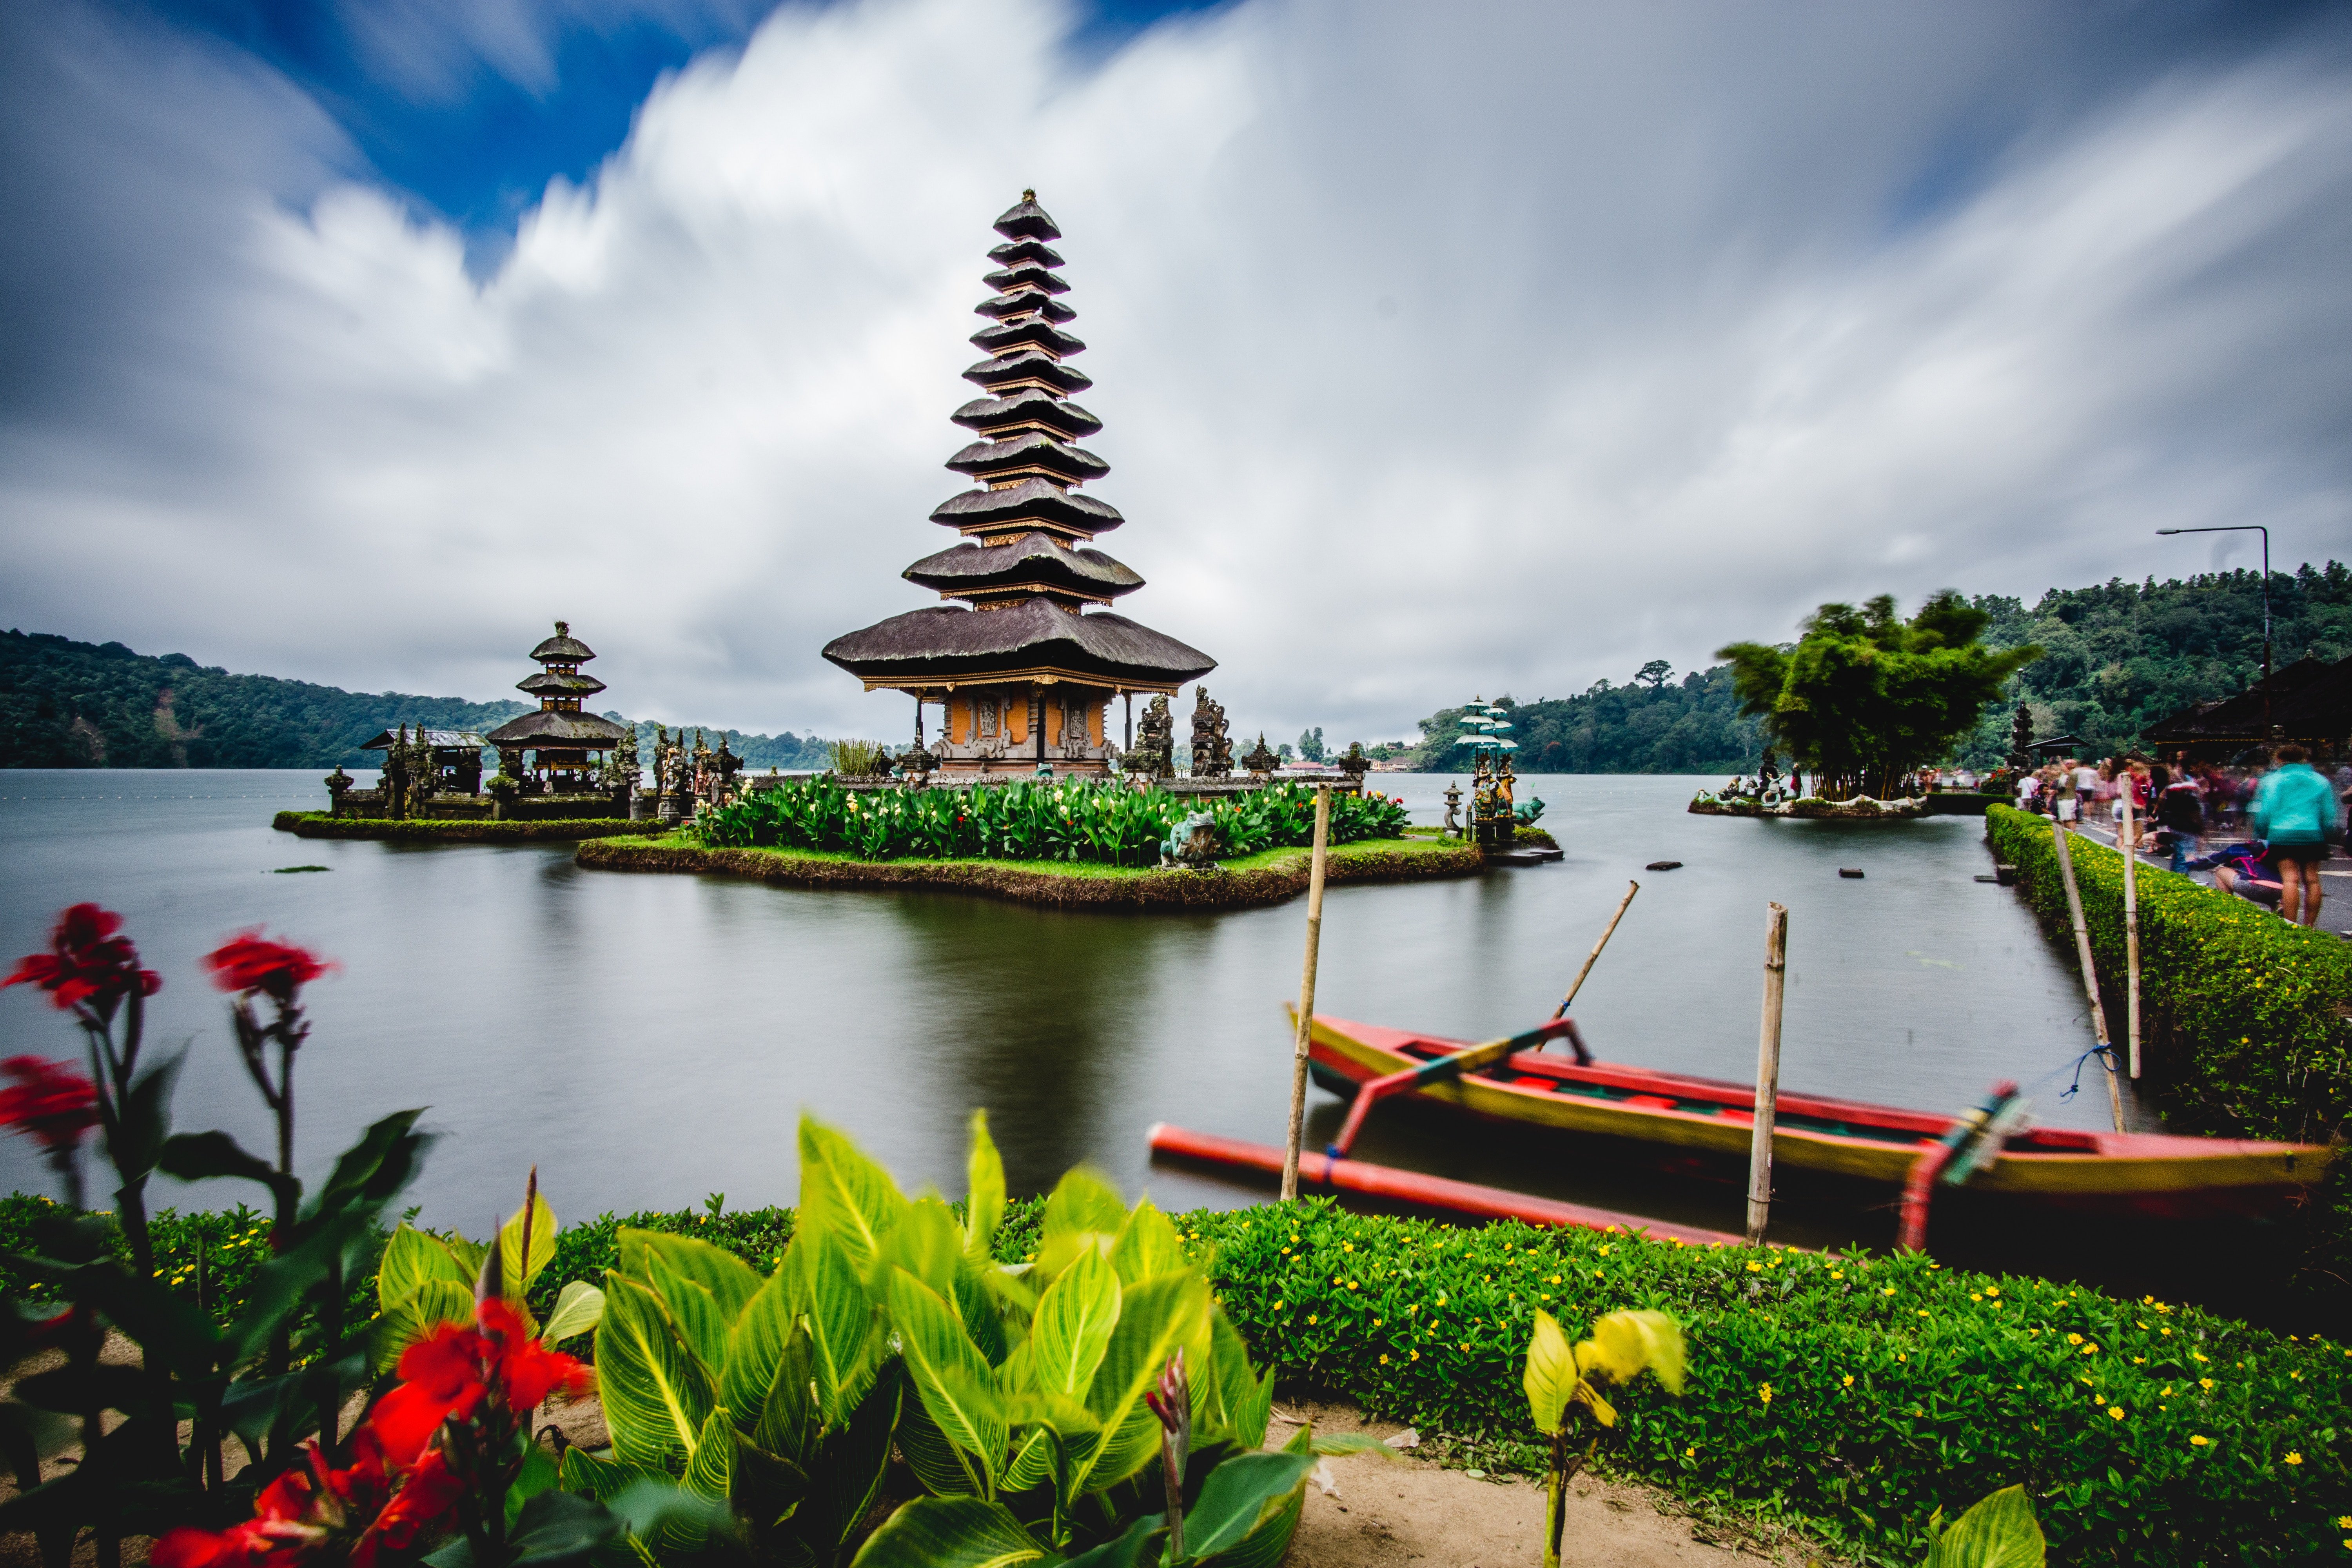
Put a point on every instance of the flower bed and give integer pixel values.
(1851, 1396)
(2247, 1019)
(1071, 820)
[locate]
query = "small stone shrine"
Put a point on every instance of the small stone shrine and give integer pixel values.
(1262, 761)
(1025, 666)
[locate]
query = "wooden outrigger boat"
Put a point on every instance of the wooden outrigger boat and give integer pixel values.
(1915, 1152)
(2139, 1172)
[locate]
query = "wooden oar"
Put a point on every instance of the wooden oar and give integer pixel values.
(1594, 956)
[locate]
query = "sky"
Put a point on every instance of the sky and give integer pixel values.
(1442, 351)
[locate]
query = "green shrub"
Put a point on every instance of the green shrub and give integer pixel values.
(1068, 819)
(1960, 1382)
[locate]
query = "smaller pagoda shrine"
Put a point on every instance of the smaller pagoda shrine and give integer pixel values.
(567, 746)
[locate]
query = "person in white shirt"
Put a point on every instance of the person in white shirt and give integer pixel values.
(2086, 785)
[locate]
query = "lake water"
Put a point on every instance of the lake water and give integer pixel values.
(647, 1040)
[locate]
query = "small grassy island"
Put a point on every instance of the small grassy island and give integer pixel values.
(454, 830)
(1050, 841)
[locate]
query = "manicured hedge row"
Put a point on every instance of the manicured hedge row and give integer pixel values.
(2246, 1018)
(1848, 1397)
(2250, 1012)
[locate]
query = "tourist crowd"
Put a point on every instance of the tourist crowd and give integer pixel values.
(2273, 820)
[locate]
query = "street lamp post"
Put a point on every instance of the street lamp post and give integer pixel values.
(2252, 528)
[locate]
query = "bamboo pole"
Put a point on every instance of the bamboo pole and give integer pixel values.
(2090, 974)
(1307, 994)
(2131, 926)
(1768, 1074)
(1594, 956)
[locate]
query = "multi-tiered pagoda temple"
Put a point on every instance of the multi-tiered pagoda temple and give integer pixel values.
(1027, 672)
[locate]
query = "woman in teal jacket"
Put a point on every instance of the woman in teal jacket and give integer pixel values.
(2294, 810)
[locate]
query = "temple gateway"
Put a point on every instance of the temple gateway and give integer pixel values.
(1026, 665)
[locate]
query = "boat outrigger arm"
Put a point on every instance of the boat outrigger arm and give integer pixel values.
(1973, 1141)
(1446, 1068)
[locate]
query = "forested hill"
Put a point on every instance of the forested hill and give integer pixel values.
(2116, 658)
(66, 704)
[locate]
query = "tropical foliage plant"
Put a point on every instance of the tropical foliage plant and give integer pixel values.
(1560, 1378)
(1866, 697)
(277, 1372)
(1072, 820)
(1030, 1399)
(2000, 1531)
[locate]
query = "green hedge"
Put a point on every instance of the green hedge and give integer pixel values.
(2246, 1019)
(1896, 1387)
(2251, 1015)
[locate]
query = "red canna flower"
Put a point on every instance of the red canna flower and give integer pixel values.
(50, 1100)
(250, 963)
(87, 963)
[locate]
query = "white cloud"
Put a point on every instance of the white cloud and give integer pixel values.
(1433, 356)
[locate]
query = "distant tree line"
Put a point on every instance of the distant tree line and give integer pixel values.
(2114, 658)
(67, 704)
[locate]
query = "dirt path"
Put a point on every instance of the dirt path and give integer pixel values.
(1387, 1513)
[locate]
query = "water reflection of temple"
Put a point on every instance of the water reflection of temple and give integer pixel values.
(1027, 665)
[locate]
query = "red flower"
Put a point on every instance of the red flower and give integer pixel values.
(450, 1371)
(250, 961)
(87, 963)
(51, 1101)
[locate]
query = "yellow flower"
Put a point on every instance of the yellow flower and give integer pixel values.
(2167, 1391)
(2074, 1339)
(1848, 1381)
(1692, 1454)
(1756, 1269)
(2292, 1458)
(1555, 1279)
(2116, 1411)
(1384, 1360)
(1837, 1273)
(1992, 1289)
(2204, 1382)
(2196, 1442)
(1765, 1394)
(1974, 1296)
(1416, 1355)
(2090, 1350)
(1888, 1291)
(1310, 1319)
(1277, 1306)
